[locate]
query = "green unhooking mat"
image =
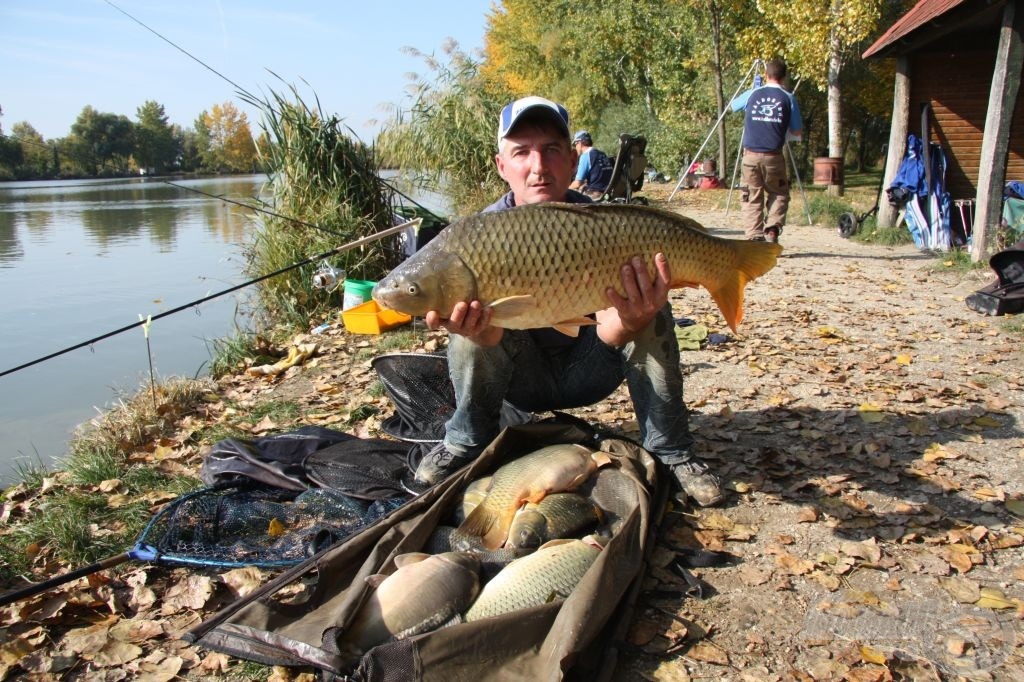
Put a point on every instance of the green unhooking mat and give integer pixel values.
(576, 638)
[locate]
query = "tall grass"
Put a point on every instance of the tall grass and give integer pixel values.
(322, 175)
(445, 138)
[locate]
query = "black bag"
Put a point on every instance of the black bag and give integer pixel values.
(1004, 295)
(576, 639)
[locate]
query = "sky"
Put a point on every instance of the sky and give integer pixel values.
(57, 56)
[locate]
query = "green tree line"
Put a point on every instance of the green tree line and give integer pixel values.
(102, 144)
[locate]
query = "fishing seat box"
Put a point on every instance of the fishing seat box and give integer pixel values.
(577, 639)
(1005, 294)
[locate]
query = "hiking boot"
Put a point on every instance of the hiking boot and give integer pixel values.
(697, 481)
(439, 464)
(771, 234)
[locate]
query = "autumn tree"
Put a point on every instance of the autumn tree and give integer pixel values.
(617, 66)
(154, 139)
(818, 42)
(229, 146)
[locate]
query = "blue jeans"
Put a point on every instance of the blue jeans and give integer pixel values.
(539, 379)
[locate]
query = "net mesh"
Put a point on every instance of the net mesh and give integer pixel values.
(257, 526)
(424, 398)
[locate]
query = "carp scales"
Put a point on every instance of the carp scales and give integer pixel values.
(552, 469)
(549, 574)
(550, 264)
(425, 592)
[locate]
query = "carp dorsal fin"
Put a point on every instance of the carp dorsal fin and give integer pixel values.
(572, 327)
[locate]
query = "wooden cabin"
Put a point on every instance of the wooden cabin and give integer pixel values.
(960, 59)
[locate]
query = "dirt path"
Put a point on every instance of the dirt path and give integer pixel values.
(871, 425)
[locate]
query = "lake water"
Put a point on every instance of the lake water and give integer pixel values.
(79, 259)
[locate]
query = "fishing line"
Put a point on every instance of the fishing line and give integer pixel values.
(182, 50)
(251, 207)
(306, 261)
(252, 99)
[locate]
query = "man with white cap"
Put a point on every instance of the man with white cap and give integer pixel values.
(538, 370)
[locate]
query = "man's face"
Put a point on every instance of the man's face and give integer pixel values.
(537, 163)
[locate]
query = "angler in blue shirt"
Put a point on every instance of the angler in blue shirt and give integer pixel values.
(771, 116)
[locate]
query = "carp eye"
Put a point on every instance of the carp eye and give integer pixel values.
(413, 289)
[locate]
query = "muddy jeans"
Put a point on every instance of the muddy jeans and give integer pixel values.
(538, 379)
(767, 182)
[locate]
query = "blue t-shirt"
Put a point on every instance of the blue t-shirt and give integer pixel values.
(770, 112)
(594, 170)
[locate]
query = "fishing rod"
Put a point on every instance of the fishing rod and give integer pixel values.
(306, 261)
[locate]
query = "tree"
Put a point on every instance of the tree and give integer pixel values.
(155, 145)
(612, 64)
(101, 141)
(230, 147)
(10, 154)
(36, 155)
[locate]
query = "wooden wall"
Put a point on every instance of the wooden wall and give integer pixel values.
(956, 84)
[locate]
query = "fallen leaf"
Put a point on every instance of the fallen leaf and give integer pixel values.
(708, 653)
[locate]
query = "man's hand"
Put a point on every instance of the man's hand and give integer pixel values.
(644, 298)
(472, 320)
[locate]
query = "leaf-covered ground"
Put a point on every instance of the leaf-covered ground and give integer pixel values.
(869, 426)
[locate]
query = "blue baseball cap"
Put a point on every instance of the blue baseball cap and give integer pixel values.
(582, 136)
(512, 113)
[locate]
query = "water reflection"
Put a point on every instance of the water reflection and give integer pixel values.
(85, 258)
(120, 211)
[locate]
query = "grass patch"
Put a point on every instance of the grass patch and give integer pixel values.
(276, 410)
(1013, 324)
(871, 233)
(229, 353)
(958, 261)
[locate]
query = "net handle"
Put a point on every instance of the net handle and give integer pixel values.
(36, 588)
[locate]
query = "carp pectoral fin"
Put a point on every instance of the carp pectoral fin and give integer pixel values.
(572, 327)
(479, 523)
(511, 307)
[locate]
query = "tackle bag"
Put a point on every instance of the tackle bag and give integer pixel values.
(577, 638)
(1005, 294)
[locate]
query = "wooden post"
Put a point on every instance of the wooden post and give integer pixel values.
(1002, 99)
(897, 139)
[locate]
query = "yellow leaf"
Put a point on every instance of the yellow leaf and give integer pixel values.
(987, 422)
(869, 655)
(903, 359)
(275, 528)
(992, 598)
(871, 413)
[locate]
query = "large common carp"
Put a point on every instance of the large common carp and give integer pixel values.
(549, 265)
(551, 469)
(423, 593)
(549, 574)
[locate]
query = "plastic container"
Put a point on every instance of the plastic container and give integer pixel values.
(370, 318)
(357, 292)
